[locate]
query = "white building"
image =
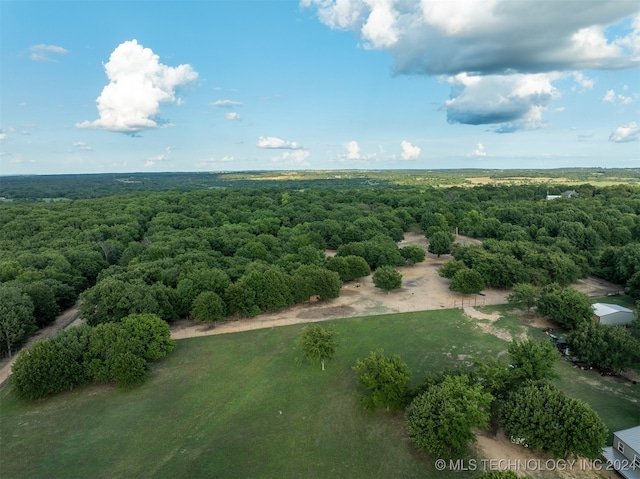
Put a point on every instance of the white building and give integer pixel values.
(612, 314)
(624, 455)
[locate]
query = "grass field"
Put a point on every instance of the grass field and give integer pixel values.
(243, 406)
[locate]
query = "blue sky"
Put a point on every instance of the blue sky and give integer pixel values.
(110, 86)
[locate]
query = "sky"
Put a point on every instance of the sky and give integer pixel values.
(148, 86)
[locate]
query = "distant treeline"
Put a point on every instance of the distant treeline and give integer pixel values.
(73, 187)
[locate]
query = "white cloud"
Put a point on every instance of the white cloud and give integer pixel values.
(42, 52)
(156, 159)
(292, 158)
(4, 137)
(489, 36)
(271, 142)
(409, 151)
(611, 97)
(496, 39)
(138, 84)
(353, 150)
(584, 82)
(81, 145)
(626, 133)
(232, 116)
(212, 162)
(515, 101)
(479, 151)
(226, 103)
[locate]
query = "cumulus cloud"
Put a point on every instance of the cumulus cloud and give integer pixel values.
(489, 36)
(516, 101)
(81, 145)
(496, 39)
(138, 84)
(353, 150)
(232, 116)
(3, 137)
(292, 158)
(479, 151)
(409, 151)
(625, 133)
(42, 52)
(611, 97)
(156, 159)
(271, 142)
(226, 103)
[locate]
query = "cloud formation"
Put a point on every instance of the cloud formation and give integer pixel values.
(226, 103)
(489, 36)
(156, 159)
(515, 101)
(611, 97)
(232, 116)
(496, 53)
(292, 158)
(42, 52)
(479, 151)
(353, 150)
(625, 133)
(409, 151)
(138, 84)
(271, 142)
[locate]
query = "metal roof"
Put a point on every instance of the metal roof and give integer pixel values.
(602, 309)
(630, 437)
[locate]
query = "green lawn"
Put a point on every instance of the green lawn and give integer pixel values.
(242, 406)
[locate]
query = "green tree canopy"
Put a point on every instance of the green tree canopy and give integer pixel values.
(16, 317)
(387, 278)
(208, 306)
(533, 360)
(385, 378)
(317, 343)
(467, 281)
(441, 420)
(542, 417)
(524, 294)
(440, 243)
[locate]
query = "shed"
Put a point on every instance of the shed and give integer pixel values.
(624, 455)
(612, 314)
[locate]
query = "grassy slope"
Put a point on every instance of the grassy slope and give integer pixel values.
(241, 405)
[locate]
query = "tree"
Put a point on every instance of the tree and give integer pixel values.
(610, 348)
(387, 278)
(533, 360)
(150, 335)
(16, 316)
(467, 281)
(317, 343)
(349, 267)
(524, 294)
(450, 268)
(386, 378)
(313, 280)
(45, 307)
(567, 307)
(440, 420)
(208, 306)
(440, 243)
(542, 417)
(413, 254)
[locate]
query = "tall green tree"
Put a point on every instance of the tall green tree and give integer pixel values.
(533, 360)
(542, 417)
(525, 294)
(317, 343)
(467, 281)
(387, 278)
(16, 317)
(385, 378)
(567, 307)
(440, 243)
(442, 419)
(208, 307)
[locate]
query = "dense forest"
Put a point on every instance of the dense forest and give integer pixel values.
(238, 251)
(27, 188)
